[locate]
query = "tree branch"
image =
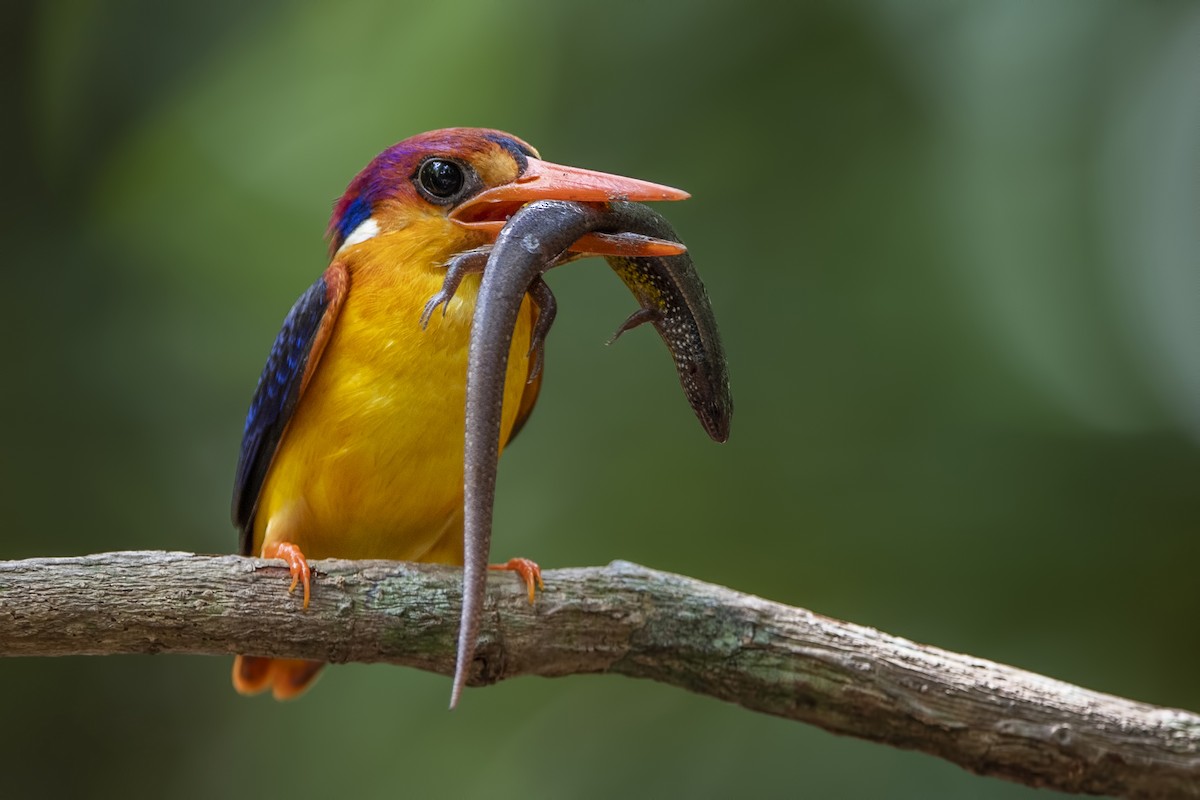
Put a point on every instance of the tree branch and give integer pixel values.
(848, 679)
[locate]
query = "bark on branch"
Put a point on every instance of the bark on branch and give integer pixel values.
(623, 618)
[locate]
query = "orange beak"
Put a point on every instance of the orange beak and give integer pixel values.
(489, 210)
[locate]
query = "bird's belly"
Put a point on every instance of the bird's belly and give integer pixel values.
(371, 465)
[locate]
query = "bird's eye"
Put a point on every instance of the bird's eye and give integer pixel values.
(440, 179)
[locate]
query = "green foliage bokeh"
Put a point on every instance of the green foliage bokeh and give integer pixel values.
(953, 250)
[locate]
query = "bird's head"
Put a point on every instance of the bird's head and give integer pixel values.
(466, 182)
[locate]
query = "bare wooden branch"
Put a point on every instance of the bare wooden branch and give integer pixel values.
(986, 717)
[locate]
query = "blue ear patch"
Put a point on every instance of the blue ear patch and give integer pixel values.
(356, 213)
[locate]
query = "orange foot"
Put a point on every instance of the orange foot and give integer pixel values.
(296, 562)
(529, 571)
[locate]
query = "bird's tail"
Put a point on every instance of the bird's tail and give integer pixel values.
(285, 677)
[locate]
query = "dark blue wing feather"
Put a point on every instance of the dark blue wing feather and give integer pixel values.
(274, 401)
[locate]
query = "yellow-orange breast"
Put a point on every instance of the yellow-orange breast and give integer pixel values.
(371, 464)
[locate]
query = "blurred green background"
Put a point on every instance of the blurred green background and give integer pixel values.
(953, 249)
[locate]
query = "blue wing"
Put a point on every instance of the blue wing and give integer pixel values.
(293, 357)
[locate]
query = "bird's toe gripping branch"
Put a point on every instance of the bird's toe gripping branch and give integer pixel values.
(297, 565)
(527, 570)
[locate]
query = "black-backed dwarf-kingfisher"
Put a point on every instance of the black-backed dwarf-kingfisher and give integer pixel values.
(354, 442)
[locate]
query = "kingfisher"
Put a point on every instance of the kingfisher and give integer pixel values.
(353, 443)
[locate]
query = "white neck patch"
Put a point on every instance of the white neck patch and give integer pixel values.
(367, 229)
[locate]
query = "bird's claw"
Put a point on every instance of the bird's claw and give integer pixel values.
(297, 565)
(529, 571)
